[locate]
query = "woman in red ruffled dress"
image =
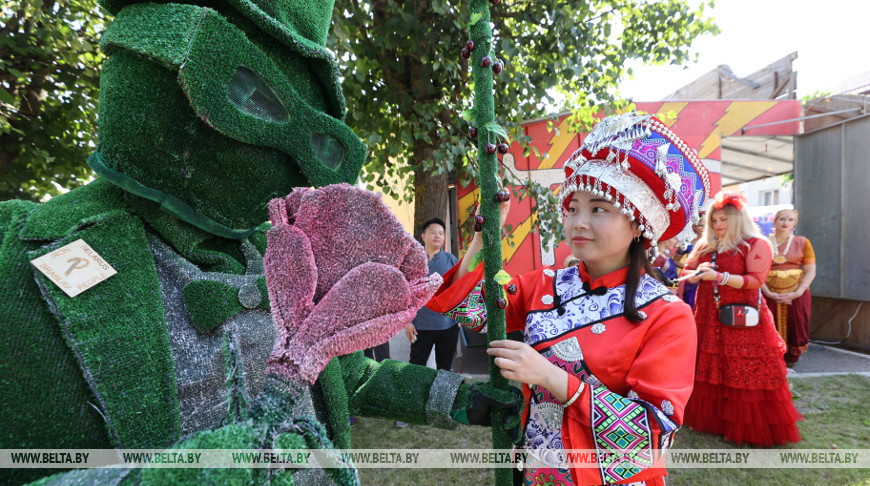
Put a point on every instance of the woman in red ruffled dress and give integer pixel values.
(741, 390)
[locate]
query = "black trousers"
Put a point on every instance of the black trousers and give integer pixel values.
(444, 342)
(379, 352)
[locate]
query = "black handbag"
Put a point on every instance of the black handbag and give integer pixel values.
(736, 315)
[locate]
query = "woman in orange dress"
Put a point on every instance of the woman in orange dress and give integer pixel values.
(788, 286)
(741, 390)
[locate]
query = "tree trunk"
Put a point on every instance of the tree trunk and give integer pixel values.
(430, 190)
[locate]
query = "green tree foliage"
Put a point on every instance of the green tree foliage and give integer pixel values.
(407, 86)
(49, 87)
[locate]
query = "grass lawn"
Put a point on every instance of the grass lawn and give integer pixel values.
(836, 417)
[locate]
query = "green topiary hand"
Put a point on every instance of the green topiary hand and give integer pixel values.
(474, 406)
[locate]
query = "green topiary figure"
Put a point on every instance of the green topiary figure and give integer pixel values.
(207, 112)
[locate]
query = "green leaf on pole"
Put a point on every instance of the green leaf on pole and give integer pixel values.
(496, 129)
(502, 277)
(468, 115)
(475, 17)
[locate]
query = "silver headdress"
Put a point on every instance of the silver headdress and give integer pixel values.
(643, 168)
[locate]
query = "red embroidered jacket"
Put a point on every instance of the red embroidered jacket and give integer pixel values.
(638, 376)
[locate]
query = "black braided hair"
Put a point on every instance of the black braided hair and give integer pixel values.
(638, 263)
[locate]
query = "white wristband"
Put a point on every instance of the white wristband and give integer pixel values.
(575, 397)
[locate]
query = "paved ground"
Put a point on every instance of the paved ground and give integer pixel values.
(823, 360)
(820, 360)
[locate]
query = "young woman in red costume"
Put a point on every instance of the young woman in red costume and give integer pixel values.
(608, 353)
(741, 390)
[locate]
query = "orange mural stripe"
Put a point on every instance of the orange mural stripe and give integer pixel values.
(737, 115)
(558, 144)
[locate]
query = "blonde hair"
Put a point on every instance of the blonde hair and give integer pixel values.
(782, 211)
(740, 228)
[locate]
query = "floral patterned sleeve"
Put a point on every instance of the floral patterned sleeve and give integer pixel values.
(463, 301)
(471, 312)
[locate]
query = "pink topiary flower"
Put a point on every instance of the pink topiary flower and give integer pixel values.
(342, 274)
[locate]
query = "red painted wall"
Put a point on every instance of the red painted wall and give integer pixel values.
(702, 124)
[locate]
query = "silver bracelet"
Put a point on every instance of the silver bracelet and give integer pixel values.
(575, 397)
(725, 278)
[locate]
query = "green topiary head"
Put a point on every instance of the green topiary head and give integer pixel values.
(214, 110)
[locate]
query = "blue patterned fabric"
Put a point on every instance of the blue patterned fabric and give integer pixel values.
(645, 150)
(583, 309)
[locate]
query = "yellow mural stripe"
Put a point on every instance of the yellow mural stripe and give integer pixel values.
(519, 235)
(558, 144)
(466, 202)
(676, 107)
(710, 144)
(737, 115)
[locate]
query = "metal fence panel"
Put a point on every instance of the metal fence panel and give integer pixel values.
(856, 208)
(832, 194)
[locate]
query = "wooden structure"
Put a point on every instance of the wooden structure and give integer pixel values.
(828, 110)
(831, 174)
(776, 81)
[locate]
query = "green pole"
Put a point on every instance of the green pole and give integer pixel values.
(489, 133)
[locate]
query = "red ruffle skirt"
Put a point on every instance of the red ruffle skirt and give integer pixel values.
(741, 390)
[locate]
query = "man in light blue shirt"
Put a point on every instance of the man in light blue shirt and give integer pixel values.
(430, 329)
